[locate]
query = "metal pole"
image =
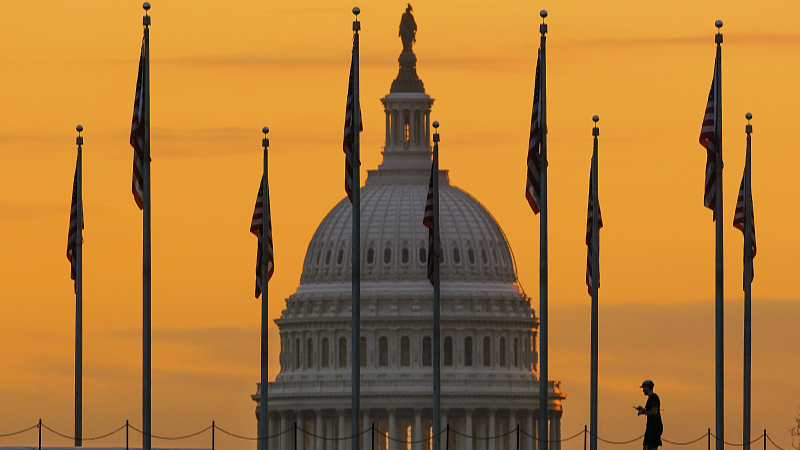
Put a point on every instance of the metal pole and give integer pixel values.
(372, 437)
(515, 448)
(40, 434)
(263, 422)
(213, 437)
(709, 439)
(355, 338)
(595, 284)
(437, 382)
(543, 269)
(447, 437)
(720, 274)
(765, 439)
(146, 266)
(748, 280)
(584, 437)
(295, 436)
(127, 429)
(79, 295)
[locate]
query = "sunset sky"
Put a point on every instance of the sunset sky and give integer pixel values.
(222, 70)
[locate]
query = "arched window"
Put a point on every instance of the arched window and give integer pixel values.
(483, 256)
(325, 352)
(387, 255)
(328, 257)
(502, 352)
(342, 351)
(405, 256)
(310, 354)
(456, 256)
(406, 132)
(487, 352)
(340, 256)
(370, 256)
(297, 353)
(423, 255)
(448, 351)
(426, 351)
(405, 351)
(516, 352)
(468, 351)
(363, 352)
(383, 351)
(471, 256)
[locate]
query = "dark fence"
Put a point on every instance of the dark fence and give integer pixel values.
(505, 441)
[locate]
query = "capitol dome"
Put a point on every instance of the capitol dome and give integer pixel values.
(489, 378)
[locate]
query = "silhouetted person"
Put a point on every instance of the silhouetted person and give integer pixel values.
(652, 409)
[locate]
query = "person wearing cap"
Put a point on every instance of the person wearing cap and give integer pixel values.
(652, 409)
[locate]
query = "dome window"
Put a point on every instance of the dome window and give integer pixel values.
(405, 351)
(494, 256)
(487, 352)
(483, 256)
(328, 257)
(404, 255)
(471, 256)
(426, 351)
(383, 351)
(363, 352)
(448, 351)
(310, 354)
(340, 257)
(516, 352)
(297, 353)
(423, 255)
(325, 352)
(319, 256)
(502, 352)
(370, 256)
(342, 351)
(456, 256)
(387, 255)
(468, 351)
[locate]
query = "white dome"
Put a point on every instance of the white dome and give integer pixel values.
(394, 241)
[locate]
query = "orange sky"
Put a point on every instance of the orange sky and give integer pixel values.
(222, 71)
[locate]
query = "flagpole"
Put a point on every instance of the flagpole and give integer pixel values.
(720, 274)
(543, 269)
(263, 423)
(355, 339)
(79, 297)
(595, 286)
(748, 280)
(437, 387)
(146, 266)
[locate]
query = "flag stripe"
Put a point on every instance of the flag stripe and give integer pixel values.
(708, 140)
(255, 227)
(137, 136)
(533, 185)
(739, 222)
(589, 250)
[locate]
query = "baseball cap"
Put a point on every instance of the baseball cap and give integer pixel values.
(647, 383)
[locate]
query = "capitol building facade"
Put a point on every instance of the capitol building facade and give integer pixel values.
(489, 378)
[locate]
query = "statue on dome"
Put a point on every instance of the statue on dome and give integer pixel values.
(408, 29)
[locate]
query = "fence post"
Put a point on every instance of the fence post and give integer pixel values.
(295, 435)
(213, 430)
(584, 437)
(372, 437)
(447, 437)
(765, 439)
(40, 434)
(127, 428)
(517, 448)
(709, 439)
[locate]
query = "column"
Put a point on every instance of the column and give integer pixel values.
(530, 444)
(512, 427)
(417, 431)
(318, 430)
(393, 430)
(443, 436)
(285, 425)
(367, 424)
(468, 429)
(344, 444)
(554, 444)
(490, 443)
(388, 138)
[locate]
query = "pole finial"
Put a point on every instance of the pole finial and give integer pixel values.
(595, 118)
(265, 130)
(543, 26)
(356, 23)
(436, 132)
(356, 11)
(436, 124)
(146, 6)
(718, 24)
(748, 116)
(79, 139)
(146, 18)
(595, 130)
(543, 14)
(265, 141)
(80, 127)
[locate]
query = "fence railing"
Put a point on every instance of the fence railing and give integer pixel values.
(503, 438)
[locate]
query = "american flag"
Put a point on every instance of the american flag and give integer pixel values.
(349, 133)
(255, 228)
(589, 255)
(532, 188)
(708, 140)
(738, 220)
(72, 238)
(427, 220)
(137, 135)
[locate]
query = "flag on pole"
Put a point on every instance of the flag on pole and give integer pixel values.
(349, 131)
(427, 220)
(255, 228)
(72, 238)
(589, 234)
(534, 159)
(738, 219)
(137, 136)
(708, 140)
